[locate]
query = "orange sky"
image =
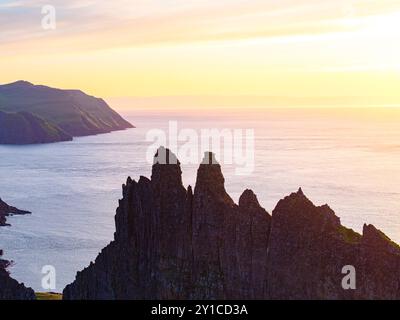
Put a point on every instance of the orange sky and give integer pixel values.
(139, 48)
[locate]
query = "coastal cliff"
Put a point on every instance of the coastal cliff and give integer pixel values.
(177, 243)
(25, 128)
(31, 114)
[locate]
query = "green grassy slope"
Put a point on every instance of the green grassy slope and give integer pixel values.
(72, 111)
(48, 296)
(25, 128)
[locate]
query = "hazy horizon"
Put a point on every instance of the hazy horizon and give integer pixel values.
(245, 101)
(228, 48)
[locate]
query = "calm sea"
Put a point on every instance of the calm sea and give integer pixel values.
(349, 160)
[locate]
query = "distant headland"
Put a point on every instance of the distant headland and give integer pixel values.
(31, 114)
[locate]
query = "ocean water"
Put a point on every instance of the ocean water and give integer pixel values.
(349, 160)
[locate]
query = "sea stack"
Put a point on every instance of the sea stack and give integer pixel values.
(173, 242)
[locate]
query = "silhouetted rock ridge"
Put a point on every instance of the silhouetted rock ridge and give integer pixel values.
(176, 243)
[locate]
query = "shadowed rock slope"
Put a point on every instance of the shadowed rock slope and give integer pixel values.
(175, 243)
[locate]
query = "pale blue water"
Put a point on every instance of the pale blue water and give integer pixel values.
(73, 188)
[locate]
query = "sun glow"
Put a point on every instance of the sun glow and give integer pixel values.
(253, 48)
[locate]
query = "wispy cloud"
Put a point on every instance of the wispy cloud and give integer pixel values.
(134, 22)
(163, 47)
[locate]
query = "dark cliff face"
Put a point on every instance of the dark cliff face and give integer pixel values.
(175, 243)
(306, 251)
(308, 248)
(10, 289)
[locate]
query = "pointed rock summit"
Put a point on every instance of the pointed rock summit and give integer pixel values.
(210, 172)
(176, 243)
(210, 180)
(166, 169)
(248, 200)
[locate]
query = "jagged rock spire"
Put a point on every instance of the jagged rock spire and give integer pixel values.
(248, 200)
(375, 238)
(300, 192)
(200, 245)
(165, 156)
(166, 168)
(209, 176)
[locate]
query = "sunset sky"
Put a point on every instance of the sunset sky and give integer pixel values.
(139, 48)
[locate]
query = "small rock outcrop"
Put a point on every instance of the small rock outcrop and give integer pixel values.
(10, 289)
(177, 243)
(6, 210)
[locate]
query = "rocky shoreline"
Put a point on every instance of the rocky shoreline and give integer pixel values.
(7, 210)
(10, 289)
